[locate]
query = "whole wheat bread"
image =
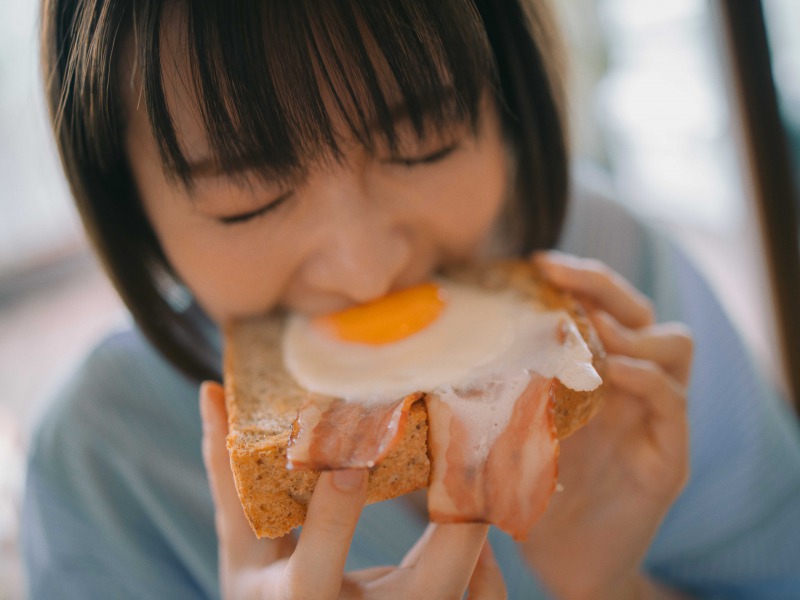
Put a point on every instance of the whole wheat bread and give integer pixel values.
(263, 400)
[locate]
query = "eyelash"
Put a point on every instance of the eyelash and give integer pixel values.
(428, 159)
(248, 216)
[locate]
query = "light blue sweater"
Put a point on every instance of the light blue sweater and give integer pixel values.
(118, 506)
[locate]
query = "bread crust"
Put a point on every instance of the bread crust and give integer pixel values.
(263, 400)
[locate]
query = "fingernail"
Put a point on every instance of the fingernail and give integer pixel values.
(551, 255)
(488, 555)
(212, 406)
(554, 263)
(542, 258)
(204, 410)
(538, 256)
(348, 480)
(483, 557)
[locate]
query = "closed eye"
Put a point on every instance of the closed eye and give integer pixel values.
(247, 216)
(426, 159)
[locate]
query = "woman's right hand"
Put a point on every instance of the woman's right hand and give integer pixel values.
(444, 563)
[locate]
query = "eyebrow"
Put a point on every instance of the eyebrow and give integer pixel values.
(209, 168)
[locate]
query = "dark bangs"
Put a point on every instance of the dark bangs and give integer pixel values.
(278, 83)
(269, 76)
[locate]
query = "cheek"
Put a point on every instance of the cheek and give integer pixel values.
(471, 201)
(230, 275)
(231, 271)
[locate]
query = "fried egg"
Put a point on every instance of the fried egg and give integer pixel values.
(435, 337)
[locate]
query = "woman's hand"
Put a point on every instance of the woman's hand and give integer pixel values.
(445, 561)
(623, 470)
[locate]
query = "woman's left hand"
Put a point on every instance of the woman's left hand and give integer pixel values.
(622, 471)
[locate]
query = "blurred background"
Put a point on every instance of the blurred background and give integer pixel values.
(652, 103)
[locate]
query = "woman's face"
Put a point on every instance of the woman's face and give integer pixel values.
(347, 232)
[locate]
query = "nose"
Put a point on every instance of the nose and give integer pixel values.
(363, 252)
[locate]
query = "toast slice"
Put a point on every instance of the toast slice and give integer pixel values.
(263, 401)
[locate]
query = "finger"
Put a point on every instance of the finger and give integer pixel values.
(238, 544)
(667, 344)
(367, 575)
(646, 380)
(412, 556)
(445, 560)
(315, 569)
(593, 281)
(663, 397)
(487, 579)
(666, 429)
(356, 584)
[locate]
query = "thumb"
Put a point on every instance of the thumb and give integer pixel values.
(238, 544)
(317, 565)
(487, 579)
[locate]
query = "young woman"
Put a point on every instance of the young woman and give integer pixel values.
(231, 158)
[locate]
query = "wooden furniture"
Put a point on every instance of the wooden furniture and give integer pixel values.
(771, 170)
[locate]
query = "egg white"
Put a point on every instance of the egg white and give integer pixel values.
(479, 337)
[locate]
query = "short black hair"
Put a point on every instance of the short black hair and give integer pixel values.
(260, 70)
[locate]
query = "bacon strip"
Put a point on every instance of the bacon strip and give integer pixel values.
(335, 434)
(508, 486)
(505, 478)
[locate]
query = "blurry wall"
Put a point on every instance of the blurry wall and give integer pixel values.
(53, 301)
(36, 217)
(653, 103)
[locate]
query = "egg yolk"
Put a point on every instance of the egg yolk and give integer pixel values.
(388, 319)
